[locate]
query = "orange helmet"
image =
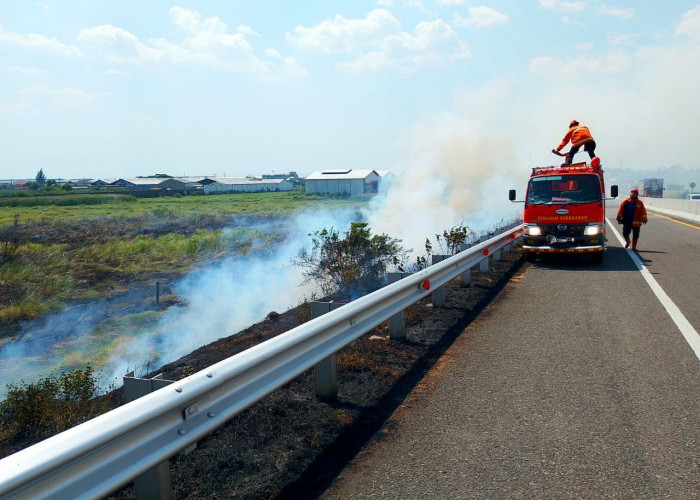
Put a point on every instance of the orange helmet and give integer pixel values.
(573, 122)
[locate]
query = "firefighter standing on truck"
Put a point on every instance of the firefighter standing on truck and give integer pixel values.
(632, 215)
(579, 136)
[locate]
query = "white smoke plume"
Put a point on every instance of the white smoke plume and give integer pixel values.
(217, 301)
(455, 171)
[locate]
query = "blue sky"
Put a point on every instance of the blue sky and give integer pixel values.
(107, 89)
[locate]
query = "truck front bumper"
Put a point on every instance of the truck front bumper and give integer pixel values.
(548, 249)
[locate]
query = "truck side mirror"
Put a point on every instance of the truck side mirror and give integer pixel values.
(511, 195)
(613, 190)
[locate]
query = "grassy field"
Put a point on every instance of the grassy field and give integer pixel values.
(59, 249)
(92, 206)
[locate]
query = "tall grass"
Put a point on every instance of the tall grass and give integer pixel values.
(260, 204)
(105, 245)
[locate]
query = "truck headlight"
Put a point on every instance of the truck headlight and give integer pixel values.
(533, 230)
(593, 229)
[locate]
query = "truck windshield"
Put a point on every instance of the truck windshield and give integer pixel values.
(563, 189)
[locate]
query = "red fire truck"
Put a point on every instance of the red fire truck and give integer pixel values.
(565, 210)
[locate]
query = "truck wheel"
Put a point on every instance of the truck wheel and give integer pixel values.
(531, 256)
(598, 258)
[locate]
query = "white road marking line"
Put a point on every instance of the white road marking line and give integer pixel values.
(690, 334)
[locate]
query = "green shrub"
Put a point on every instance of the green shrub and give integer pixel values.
(51, 405)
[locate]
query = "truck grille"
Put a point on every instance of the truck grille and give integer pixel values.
(563, 230)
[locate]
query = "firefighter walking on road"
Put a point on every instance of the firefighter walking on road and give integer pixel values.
(579, 136)
(632, 215)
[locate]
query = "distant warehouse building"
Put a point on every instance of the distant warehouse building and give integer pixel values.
(178, 184)
(247, 185)
(349, 181)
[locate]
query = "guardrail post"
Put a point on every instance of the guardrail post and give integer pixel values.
(153, 484)
(325, 371)
(465, 279)
(438, 294)
(484, 264)
(396, 322)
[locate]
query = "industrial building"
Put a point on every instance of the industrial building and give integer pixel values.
(348, 181)
(247, 185)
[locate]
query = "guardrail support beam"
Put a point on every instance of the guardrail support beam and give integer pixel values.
(484, 264)
(438, 294)
(326, 371)
(153, 484)
(396, 322)
(465, 279)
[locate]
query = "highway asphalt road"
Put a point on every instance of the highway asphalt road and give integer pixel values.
(575, 382)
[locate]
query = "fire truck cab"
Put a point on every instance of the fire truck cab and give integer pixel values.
(565, 210)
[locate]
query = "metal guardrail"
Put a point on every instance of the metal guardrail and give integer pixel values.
(108, 452)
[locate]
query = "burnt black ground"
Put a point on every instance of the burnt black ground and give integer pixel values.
(291, 445)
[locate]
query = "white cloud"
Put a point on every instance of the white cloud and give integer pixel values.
(38, 42)
(617, 12)
(426, 36)
(344, 35)
(610, 63)
(377, 42)
(206, 42)
(482, 17)
(117, 45)
(616, 39)
(690, 24)
(416, 4)
(452, 2)
(562, 6)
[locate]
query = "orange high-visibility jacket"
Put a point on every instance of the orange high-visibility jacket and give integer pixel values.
(640, 213)
(578, 134)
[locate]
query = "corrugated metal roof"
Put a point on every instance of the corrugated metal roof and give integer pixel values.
(143, 181)
(246, 180)
(340, 174)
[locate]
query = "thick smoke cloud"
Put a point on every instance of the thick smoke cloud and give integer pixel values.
(452, 171)
(217, 301)
(455, 170)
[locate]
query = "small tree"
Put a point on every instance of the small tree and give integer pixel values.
(454, 238)
(692, 187)
(351, 266)
(40, 177)
(50, 405)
